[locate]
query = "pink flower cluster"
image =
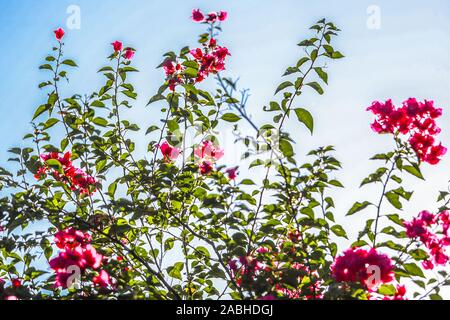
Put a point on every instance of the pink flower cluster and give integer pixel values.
(211, 59)
(353, 264)
(169, 152)
(246, 266)
(417, 119)
(421, 227)
(232, 173)
(75, 177)
(118, 48)
(211, 17)
(207, 153)
(174, 73)
(77, 252)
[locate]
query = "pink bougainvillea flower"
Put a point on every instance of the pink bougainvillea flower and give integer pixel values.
(352, 266)
(16, 283)
(11, 298)
(197, 15)
(77, 252)
(77, 179)
(103, 279)
(262, 250)
(232, 173)
(207, 150)
(169, 152)
(71, 238)
(117, 45)
(223, 15)
(206, 167)
(211, 17)
(129, 54)
(169, 67)
(427, 265)
(424, 228)
(232, 264)
(415, 119)
(59, 34)
(197, 53)
(173, 73)
(444, 221)
(92, 257)
(211, 59)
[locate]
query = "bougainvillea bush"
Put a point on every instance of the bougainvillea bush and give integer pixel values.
(87, 216)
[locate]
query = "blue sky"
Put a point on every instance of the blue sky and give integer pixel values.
(406, 57)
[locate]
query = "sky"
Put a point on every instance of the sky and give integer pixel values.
(405, 54)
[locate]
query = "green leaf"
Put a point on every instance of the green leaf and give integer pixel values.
(129, 69)
(46, 67)
(48, 252)
(52, 99)
(316, 87)
(337, 55)
(106, 69)
(130, 94)
(414, 270)
(50, 123)
(290, 70)
(69, 62)
(97, 104)
(191, 72)
(336, 183)
(302, 61)
(387, 290)
(358, 206)
(64, 143)
(40, 110)
(394, 199)
(286, 148)
(328, 49)
(256, 163)
(339, 231)
(283, 86)
(54, 164)
(100, 121)
(306, 118)
(156, 97)
(230, 117)
(414, 170)
(112, 189)
(191, 64)
(322, 74)
(247, 182)
(175, 271)
(273, 106)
